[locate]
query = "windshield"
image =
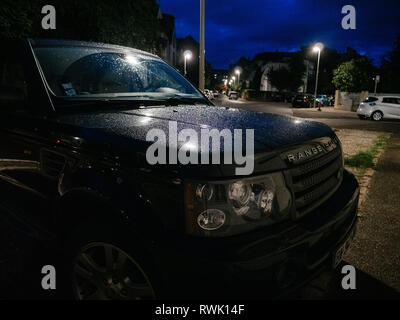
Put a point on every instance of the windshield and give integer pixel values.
(370, 99)
(98, 73)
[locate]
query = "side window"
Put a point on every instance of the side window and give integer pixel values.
(13, 84)
(391, 100)
(370, 99)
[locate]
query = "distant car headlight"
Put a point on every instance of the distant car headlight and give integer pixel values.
(218, 209)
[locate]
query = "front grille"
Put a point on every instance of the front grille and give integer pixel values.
(316, 180)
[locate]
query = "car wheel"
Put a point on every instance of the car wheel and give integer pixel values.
(105, 266)
(377, 116)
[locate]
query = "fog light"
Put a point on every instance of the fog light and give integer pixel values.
(211, 219)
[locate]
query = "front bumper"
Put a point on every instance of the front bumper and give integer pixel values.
(263, 264)
(364, 111)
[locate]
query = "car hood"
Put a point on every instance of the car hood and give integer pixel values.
(121, 128)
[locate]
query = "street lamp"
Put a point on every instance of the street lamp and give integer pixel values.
(187, 55)
(317, 48)
(233, 79)
(237, 71)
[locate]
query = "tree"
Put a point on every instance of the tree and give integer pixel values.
(297, 70)
(390, 69)
(352, 76)
(210, 80)
(291, 77)
(130, 23)
(255, 83)
(280, 78)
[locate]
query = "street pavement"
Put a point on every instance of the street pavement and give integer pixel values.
(376, 249)
(337, 120)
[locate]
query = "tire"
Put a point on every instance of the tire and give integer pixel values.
(377, 116)
(128, 275)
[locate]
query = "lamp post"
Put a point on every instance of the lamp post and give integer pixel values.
(237, 71)
(187, 55)
(317, 48)
(202, 45)
(377, 79)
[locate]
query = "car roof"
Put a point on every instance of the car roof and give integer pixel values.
(394, 95)
(77, 43)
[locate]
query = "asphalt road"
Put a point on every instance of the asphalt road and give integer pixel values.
(338, 120)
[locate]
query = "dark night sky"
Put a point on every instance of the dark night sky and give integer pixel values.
(236, 28)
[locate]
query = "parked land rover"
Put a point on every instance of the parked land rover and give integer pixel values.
(73, 123)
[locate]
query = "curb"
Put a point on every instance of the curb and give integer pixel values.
(366, 180)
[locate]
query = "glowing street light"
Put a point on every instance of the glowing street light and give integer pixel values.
(187, 55)
(237, 71)
(317, 48)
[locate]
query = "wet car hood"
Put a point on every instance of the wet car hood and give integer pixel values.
(121, 128)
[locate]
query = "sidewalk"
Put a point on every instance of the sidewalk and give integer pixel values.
(376, 248)
(327, 109)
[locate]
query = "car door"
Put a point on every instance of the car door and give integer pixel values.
(396, 107)
(390, 107)
(24, 189)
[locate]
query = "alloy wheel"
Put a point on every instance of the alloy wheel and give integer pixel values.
(377, 116)
(102, 271)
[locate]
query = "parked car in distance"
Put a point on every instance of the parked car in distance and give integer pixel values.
(215, 94)
(378, 108)
(302, 101)
(233, 95)
(331, 101)
(209, 94)
(323, 99)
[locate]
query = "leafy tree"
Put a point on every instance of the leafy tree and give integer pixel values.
(390, 69)
(289, 78)
(130, 23)
(256, 82)
(210, 81)
(297, 70)
(352, 76)
(280, 78)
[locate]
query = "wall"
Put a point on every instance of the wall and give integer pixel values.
(349, 101)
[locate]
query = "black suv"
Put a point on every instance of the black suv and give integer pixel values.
(303, 101)
(73, 126)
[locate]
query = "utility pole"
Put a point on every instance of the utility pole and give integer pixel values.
(377, 79)
(317, 48)
(202, 46)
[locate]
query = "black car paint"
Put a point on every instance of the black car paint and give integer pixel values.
(104, 161)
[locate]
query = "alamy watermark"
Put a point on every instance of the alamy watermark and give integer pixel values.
(49, 280)
(187, 147)
(49, 20)
(349, 20)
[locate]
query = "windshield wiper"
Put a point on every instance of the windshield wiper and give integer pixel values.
(136, 102)
(177, 100)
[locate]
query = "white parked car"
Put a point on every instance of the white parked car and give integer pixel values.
(380, 107)
(233, 95)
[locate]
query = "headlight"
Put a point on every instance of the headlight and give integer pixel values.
(217, 209)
